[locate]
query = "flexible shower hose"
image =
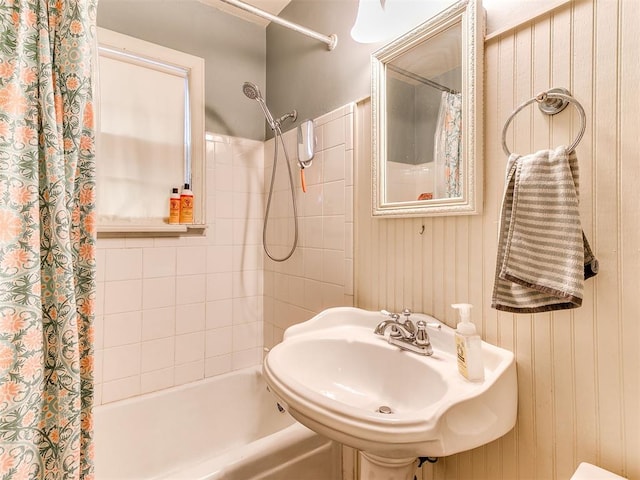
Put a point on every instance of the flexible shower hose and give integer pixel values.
(278, 133)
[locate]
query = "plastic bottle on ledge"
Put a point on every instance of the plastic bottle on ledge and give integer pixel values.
(186, 205)
(174, 207)
(468, 345)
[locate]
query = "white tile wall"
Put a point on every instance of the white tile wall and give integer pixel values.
(172, 310)
(320, 272)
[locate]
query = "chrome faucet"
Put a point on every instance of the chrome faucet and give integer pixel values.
(408, 325)
(406, 335)
(382, 326)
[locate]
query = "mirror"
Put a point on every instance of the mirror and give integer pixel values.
(427, 117)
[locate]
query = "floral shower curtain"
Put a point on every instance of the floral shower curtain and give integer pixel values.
(447, 143)
(47, 238)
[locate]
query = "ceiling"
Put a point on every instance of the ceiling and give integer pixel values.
(272, 6)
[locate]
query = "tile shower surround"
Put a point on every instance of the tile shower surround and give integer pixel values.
(172, 310)
(320, 272)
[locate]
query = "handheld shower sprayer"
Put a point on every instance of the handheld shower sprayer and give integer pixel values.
(252, 92)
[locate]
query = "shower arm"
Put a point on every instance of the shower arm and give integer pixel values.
(331, 40)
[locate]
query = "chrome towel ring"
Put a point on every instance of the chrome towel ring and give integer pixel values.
(550, 102)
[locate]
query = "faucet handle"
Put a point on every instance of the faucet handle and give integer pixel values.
(394, 316)
(408, 323)
(422, 337)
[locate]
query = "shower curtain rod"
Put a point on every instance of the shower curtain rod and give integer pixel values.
(420, 79)
(331, 40)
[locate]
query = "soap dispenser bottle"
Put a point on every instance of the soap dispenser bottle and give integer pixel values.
(468, 345)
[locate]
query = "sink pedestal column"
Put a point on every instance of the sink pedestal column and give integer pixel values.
(373, 467)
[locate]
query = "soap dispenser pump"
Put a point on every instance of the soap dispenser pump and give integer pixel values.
(468, 345)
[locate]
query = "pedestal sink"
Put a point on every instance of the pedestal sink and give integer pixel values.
(338, 378)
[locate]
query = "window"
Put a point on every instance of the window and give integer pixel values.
(151, 133)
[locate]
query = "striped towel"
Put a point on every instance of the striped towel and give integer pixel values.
(543, 255)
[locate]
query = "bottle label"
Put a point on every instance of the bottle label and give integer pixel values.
(186, 209)
(461, 353)
(174, 210)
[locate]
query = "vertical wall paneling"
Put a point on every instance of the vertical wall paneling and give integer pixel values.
(585, 351)
(484, 260)
(524, 437)
(412, 228)
(391, 256)
(426, 284)
(399, 273)
(578, 369)
(606, 151)
(493, 181)
(629, 213)
(563, 131)
(382, 276)
(450, 267)
(458, 237)
(438, 254)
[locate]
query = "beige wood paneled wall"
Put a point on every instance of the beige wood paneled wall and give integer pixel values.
(578, 370)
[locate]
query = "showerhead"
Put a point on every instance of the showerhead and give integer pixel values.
(251, 90)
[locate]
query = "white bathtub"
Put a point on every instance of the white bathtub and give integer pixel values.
(226, 427)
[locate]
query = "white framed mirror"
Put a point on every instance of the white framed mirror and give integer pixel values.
(427, 117)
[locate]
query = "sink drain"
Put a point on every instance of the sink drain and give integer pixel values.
(384, 409)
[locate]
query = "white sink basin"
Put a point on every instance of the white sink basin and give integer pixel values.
(333, 374)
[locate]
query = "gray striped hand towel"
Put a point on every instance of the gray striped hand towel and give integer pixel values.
(543, 255)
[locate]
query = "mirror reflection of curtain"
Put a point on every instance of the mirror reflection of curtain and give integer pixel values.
(447, 146)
